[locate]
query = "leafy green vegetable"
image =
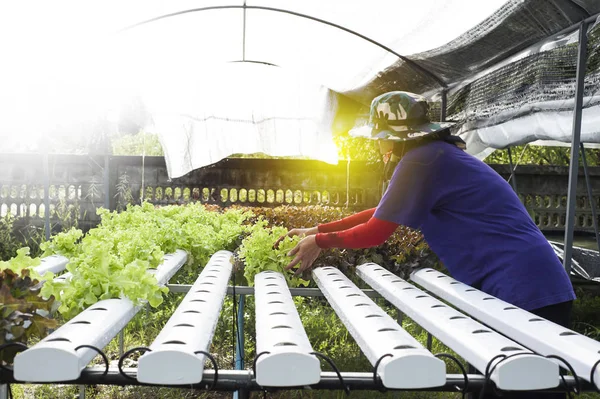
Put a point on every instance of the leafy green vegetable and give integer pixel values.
(64, 244)
(24, 262)
(258, 254)
(112, 260)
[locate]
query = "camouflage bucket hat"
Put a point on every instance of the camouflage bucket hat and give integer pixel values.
(399, 116)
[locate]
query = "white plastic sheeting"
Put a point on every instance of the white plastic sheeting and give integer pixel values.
(257, 109)
(68, 75)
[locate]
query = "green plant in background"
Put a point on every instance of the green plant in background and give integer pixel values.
(137, 144)
(124, 196)
(541, 155)
(357, 149)
(93, 191)
(8, 241)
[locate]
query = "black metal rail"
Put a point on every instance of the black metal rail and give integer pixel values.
(233, 380)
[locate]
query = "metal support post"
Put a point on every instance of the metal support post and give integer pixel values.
(444, 105)
(400, 317)
(106, 183)
(46, 196)
(429, 341)
(512, 178)
(239, 347)
(575, 141)
(121, 342)
(3, 391)
(82, 392)
(472, 370)
(590, 195)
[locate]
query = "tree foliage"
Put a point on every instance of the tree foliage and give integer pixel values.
(539, 155)
(137, 144)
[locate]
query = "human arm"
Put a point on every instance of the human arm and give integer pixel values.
(342, 224)
(408, 201)
(369, 234)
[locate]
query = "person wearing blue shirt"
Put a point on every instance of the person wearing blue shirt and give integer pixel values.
(468, 214)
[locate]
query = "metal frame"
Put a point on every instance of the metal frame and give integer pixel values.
(241, 382)
(235, 380)
(575, 142)
(590, 195)
(414, 65)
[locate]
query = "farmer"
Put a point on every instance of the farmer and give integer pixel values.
(468, 214)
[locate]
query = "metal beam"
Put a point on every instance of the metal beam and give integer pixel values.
(232, 380)
(46, 196)
(512, 178)
(106, 182)
(575, 141)
(415, 66)
(242, 393)
(590, 195)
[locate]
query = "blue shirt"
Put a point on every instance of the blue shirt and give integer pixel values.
(472, 219)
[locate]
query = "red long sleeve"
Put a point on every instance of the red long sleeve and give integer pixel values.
(365, 235)
(347, 222)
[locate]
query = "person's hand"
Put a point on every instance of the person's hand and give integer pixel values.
(306, 253)
(297, 232)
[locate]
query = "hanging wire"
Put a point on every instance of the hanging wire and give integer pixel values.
(462, 369)
(254, 369)
(216, 367)
(489, 369)
(98, 351)
(376, 380)
(143, 166)
(577, 390)
(235, 339)
(514, 170)
(256, 359)
(142, 349)
(488, 373)
(20, 348)
(592, 375)
(334, 367)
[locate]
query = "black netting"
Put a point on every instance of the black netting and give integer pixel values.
(541, 77)
(514, 27)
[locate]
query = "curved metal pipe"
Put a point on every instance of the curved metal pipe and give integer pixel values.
(255, 62)
(410, 62)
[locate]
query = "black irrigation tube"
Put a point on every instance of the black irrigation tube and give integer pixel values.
(420, 69)
(233, 380)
